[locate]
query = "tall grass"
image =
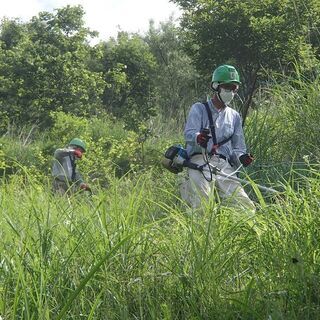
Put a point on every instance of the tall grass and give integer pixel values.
(134, 251)
(283, 129)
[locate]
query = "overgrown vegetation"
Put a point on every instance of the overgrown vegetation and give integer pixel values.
(133, 249)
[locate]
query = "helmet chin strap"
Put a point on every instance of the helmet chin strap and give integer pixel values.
(239, 97)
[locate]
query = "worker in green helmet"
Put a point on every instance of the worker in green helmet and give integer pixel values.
(66, 177)
(213, 132)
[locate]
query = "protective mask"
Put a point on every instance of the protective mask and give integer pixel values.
(226, 95)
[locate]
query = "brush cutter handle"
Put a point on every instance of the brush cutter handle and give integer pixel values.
(192, 165)
(198, 167)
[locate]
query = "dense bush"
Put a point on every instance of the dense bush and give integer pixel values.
(112, 149)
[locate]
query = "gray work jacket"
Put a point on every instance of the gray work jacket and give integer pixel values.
(64, 166)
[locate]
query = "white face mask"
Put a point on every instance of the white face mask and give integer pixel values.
(226, 95)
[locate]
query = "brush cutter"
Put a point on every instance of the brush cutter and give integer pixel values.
(175, 159)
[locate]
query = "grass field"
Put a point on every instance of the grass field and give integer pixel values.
(135, 251)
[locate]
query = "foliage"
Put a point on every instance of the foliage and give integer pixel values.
(136, 252)
(299, 100)
(19, 153)
(285, 124)
(255, 36)
(128, 67)
(44, 68)
(48, 65)
(134, 249)
(112, 150)
(177, 83)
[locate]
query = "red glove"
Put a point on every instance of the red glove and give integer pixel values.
(246, 159)
(84, 186)
(203, 137)
(77, 153)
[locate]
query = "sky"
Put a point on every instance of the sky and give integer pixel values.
(105, 16)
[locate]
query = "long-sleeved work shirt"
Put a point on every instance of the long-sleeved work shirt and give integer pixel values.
(227, 123)
(64, 166)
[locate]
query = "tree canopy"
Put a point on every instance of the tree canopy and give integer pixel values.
(43, 67)
(253, 35)
(128, 68)
(48, 63)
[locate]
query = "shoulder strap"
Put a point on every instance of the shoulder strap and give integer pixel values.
(212, 129)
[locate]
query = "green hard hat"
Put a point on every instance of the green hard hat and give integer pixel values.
(225, 74)
(78, 142)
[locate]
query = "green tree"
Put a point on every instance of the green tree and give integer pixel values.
(253, 35)
(44, 67)
(129, 70)
(176, 78)
(12, 31)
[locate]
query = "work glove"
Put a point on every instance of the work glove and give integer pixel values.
(85, 187)
(203, 137)
(77, 153)
(246, 159)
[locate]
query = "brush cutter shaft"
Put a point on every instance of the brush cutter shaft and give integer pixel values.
(216, 170)
(221, 173)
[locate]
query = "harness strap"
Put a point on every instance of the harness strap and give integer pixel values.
(73, 165)
(216, 144)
